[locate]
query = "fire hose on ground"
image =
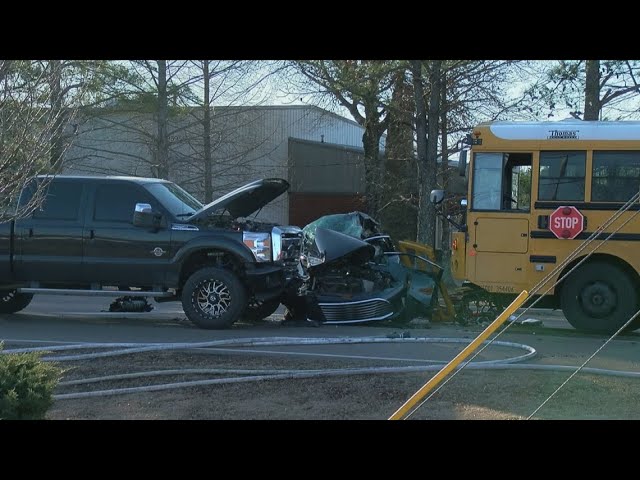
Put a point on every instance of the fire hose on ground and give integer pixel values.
(258, 375)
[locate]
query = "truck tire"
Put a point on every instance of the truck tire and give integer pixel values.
(599, 297)
(213, 298)
(11, 301)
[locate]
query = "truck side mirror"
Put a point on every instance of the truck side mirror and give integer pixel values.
(145, 217)
(437, 196)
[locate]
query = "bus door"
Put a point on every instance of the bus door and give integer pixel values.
(499, 220)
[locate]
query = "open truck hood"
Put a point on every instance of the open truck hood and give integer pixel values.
(245, 200)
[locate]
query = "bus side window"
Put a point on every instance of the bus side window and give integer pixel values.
(615, 176)
(562, 176)
(517, 182)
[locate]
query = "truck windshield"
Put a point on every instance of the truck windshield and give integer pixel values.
(177, 201)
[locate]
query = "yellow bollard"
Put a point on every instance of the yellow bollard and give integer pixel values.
(457, 360)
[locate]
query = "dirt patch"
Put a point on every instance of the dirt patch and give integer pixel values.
(473, 394)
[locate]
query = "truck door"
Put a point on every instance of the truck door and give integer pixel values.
(115, 251)
(48, 243)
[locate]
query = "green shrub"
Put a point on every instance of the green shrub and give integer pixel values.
(26, 385)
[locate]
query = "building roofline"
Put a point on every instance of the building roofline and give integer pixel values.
(328, 145)
(114, 108)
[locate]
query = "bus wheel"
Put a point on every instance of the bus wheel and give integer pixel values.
(599, 297)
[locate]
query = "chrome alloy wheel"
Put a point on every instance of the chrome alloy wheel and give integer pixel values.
(213, 298)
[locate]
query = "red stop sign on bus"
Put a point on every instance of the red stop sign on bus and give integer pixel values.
(566, 222)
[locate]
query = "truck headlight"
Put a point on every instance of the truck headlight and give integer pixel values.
(285, 243)
(260, 245)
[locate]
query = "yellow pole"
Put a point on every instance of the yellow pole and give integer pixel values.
(451, 312)
(448, 368)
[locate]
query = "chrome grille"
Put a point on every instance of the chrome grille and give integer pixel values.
(359, 311)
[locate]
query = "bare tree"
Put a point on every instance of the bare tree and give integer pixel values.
(376, 97)
(592, 102)
(427, 120)
(193, 122)
(29, 131)
(362, 87)
(591, 89)
(162, 150)
(481, 90)
(444, 142)
(224, 138)
(206, 130)
(75, 86)
(398, 213)
(131, 133)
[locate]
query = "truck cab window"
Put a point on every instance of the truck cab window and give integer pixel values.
(61, 201)
(116, 203)
(501, 181)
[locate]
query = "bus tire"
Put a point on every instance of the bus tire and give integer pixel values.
(599, 297)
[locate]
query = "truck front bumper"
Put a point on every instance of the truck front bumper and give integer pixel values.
(265, 282)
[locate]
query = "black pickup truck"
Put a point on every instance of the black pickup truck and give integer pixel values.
(149, 238)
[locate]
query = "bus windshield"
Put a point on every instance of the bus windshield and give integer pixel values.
(501, 181)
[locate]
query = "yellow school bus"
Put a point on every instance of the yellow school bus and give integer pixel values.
(536, 191)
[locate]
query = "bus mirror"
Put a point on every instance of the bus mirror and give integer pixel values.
(462, 163)
(463, 202)
(437, 196)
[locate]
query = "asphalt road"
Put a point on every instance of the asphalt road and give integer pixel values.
(51, 319)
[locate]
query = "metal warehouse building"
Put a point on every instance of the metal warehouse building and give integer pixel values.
(318, 152)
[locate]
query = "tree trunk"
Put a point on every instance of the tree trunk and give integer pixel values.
(427, 145)
(371, 144)
(208, 190)
(421, 146)
(433, 121)
(397, 216)
(162, 152)
(592, 90)
(445, 161)
(57, 147)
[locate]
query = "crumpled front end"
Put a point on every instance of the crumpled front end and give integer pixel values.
(350, 272)
(377, 293)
